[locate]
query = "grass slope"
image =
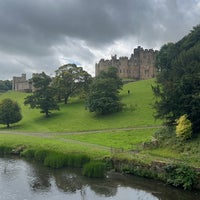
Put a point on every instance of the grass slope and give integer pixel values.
(74, 116)
(35, 131)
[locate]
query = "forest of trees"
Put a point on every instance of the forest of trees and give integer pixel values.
(178, 80)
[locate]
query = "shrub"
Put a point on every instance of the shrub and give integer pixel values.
(183, 128)
(40, 155)
(4, 150)
(94, 170)
(55, 160)
(28, 153)
(76, 160)
(181, 176)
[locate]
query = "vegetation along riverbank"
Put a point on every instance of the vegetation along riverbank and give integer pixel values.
(127, 141)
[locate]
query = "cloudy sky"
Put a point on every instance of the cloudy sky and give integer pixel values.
(41, 35)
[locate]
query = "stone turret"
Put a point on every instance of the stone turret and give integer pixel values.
(141, 64)
(21, 84)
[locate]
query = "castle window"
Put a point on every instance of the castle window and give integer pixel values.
(146, 71)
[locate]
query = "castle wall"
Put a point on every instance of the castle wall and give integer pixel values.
(141, 65)
(21, 84)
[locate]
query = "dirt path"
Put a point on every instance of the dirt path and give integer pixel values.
(51, 135)
(77, 132)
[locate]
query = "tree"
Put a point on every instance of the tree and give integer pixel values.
(43, 96)
(10, 112)
(178, 82)
(5, 85)
(71, 80)
(103, 95)
(183, 128)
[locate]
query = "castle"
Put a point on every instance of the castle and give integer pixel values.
(140, 66)
(21, 84)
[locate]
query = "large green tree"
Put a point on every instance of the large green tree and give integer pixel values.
(178, 80)
(71, 80)
(5, 85)
(10, 112)
(103, 97)
(43, 95)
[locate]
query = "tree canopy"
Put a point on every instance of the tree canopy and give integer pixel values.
(178, 80)
(43, 96)
(71, 80)
(5, 85)
(10, 112)
(103, 95)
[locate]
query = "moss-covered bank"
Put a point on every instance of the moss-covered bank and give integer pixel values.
(178, 175)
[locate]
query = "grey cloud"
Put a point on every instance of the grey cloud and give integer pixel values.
(40, 31)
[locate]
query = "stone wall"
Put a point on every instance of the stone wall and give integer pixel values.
(140, 66)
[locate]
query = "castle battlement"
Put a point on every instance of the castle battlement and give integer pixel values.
(140, 65)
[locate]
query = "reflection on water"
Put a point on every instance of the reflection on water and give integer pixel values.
(20, 180)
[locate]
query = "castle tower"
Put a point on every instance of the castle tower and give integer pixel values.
(21, 84)
(141, 64)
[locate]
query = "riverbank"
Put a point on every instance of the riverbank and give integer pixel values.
(67, 154)
(40, 183)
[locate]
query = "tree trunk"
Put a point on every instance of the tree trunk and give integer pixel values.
(66, 100)
(8, 125)
(47, 114)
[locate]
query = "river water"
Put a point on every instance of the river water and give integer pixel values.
(21, 180)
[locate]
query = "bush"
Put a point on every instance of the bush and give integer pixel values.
(59, 160)
(55, 160)
(40, 155)
(181, 176)
(183, 128)
(76, 160)
(28, 153)
(94, 170)
(4, 150)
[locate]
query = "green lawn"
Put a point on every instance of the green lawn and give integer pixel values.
(128, 140)
(74, 116)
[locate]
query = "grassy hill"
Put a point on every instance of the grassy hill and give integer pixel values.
(74, 116)
(74, 129)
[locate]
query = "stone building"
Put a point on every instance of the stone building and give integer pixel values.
(140, 66)
(21, 84)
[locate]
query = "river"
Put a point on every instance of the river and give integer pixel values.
(22, 180)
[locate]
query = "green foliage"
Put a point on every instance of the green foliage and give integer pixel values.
(71, 80)
(5, 85)
(43, 96)
(181, 176)
(28, 153)
(5, 150)
(40, 155)
(183, 128)
(55, 160)
(103, 96)
(178, 87)
(94, 169)
(10, 112)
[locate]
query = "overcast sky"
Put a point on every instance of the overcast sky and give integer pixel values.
(41, 35)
